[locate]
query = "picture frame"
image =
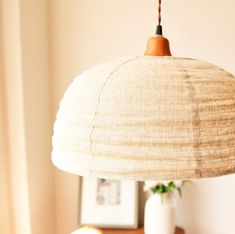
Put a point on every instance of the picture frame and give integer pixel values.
(109, 203)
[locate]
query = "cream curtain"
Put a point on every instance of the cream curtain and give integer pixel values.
(35, 198)
(5, 207)
(26, 173)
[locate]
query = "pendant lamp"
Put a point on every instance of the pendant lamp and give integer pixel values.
(150, 117)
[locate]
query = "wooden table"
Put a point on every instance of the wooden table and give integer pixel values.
(134, 231)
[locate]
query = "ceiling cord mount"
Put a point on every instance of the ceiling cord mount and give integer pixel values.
(158, 45)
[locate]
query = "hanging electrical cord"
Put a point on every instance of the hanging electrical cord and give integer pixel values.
(159, 12)
(159, 27)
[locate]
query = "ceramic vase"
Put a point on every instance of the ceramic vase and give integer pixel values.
(159, 217)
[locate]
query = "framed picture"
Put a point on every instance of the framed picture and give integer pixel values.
(109, 203)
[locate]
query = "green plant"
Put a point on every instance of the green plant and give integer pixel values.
(163, 187)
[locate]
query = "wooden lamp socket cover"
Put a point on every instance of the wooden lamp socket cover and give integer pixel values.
(158, 46)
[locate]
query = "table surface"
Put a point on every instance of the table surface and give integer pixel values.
(134, 231)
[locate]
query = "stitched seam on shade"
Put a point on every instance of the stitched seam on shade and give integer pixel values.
(195, 119)
(99, 98)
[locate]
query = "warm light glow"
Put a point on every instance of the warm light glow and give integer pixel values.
(87, 230)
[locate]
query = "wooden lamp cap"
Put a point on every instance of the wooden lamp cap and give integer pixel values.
(158, 46)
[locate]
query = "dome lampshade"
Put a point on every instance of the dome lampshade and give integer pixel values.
(148, 118)
(151, 117)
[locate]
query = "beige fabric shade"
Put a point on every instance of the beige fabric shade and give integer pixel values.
(148, 118)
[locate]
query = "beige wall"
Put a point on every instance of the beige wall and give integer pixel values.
(87, 32)
(63, 31)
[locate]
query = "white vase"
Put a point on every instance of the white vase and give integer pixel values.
(159, 217)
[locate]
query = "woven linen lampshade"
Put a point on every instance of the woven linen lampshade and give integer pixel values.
(151, 117)
(147, 118)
